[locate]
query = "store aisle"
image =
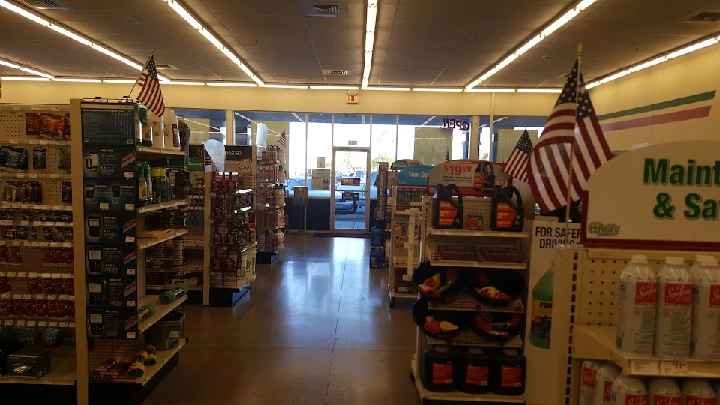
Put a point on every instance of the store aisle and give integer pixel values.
(315, 329)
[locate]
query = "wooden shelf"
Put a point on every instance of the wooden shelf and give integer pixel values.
(35, 140)
(163, 356)
(160, 309)
(478, 234)
(162, 206)
(28, 206)
(35, 243)
(63, 371)
(172, 233)
(8, 222)
(469, 338)
(474, 263)
(156, 151)
(598, 343)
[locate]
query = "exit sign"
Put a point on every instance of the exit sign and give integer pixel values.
(352, 97)
(352, 143)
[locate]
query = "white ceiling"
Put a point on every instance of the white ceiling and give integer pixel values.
(418, 42)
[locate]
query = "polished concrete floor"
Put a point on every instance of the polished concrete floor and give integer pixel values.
(315, 329)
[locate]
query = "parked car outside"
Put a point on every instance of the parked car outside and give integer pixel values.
(341, 206)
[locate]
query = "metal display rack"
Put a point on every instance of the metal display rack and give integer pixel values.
(112, 132)
(36, 255)
(584, 317)
(431, 239)
(404, 250)
(270, 204)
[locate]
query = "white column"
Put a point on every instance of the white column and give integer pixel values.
(229, 127)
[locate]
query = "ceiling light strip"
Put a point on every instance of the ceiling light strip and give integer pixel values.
(490, 90)
(230, 84)
(330, 87)
(72, 35)
(74, 80)
(193, 22)
(539, 90)
(370, 24)
(25, 78)
(24, 69)
(437, 90)
(379, 88)
(284, 86)
(529, 44)
(187, 83)
(656, 60)
(119, 81)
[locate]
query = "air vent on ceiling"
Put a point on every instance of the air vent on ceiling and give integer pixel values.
(165, 67)
(335, 72)
(324, 10)
(47, 4)
(706, 17)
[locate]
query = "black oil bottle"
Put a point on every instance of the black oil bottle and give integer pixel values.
(474, 375)
(447, 211)
(506, 210)
(440, 369)
(508, 373)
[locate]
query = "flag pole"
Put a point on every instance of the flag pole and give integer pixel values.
(144, 67)
(571, 171)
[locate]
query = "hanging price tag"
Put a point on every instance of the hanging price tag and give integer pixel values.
(20, 323)
(674, 368)
(30, 324)
(53, 324)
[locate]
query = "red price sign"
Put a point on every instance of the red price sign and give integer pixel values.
(457, 169)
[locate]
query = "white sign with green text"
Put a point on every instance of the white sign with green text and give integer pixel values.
(664, 195)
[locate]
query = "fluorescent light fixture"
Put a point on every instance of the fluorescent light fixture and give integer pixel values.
(437, 90)
(188, 17)
(370, 23)
(186, 83)
(69, 79)
(25, 78)
(489, 90)
(24, 69)
(544, 33)
(119, 81)
(334, 87)
(380, 88)
(231, 84)
(298, 117)
(656, 61)
(284, 86)
(539, 90)
(72, 35)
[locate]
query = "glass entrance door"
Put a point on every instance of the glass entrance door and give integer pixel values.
(351, 185)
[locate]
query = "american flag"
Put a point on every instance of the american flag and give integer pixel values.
(549, 168)
(591, 149)
(517, 163)
(150, 94)
(283, 140)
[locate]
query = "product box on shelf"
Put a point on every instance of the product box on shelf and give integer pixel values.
(29, 362)
(118, 260)
(109, 124)
(110, 195)
(113, 323)
(109, 162)
(110, 227)
(109, 291)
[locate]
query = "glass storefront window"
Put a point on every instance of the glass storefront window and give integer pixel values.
(203, 124)
(508, 129)
(423, 138)
(352, 130)
(319, 140)
(383, 144)
(484, 139)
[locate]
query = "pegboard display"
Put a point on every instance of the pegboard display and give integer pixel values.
(584, 315)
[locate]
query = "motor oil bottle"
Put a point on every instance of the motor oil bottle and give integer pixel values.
(506, 214)
(484, 178)
(627, 390)
(604, 377)
(705, 343)
(475, 371)
(674, 310)
(508, 373)
(542, 298)
(438, 373)
(636, 312)
(587, 389)
(664, 391)
(447, 211)
(697, 392)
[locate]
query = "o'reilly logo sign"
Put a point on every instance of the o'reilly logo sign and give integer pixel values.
(600, 229)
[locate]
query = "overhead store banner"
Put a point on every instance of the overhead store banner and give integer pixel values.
(473, 177)
(660, 196)
(541, 363)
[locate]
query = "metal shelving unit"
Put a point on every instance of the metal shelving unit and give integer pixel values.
(406, 256)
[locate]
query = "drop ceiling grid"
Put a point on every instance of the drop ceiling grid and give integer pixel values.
(614, 35)
(446, 40)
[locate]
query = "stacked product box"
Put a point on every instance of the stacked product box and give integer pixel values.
(110, 198)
